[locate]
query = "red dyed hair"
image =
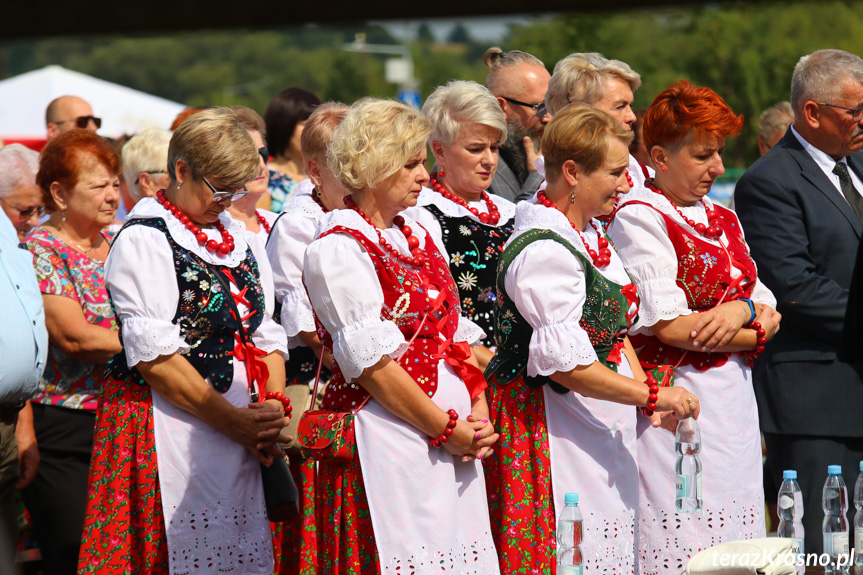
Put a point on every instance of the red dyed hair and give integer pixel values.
(66, 156)
(684, 112)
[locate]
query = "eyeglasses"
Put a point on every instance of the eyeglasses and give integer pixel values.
(151, 172)
(220, 197)
(28, 213)
(83, 121)
(538, 108)
(265, 154)
(856, 113)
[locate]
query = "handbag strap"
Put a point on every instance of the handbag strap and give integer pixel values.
(434, 306)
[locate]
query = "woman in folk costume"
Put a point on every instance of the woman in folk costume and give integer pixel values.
(565, 376)
(412, 499)
(703, 311)
(175, 480)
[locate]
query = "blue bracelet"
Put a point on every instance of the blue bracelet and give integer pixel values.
(751, 311)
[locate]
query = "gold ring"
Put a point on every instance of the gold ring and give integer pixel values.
(689, 399)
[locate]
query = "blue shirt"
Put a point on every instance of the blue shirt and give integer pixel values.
(23, 337)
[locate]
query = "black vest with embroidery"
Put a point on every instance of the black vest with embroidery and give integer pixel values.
(203, 311)
(474, 249)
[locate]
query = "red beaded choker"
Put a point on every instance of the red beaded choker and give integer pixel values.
(419, 257)
(712, 230)
(223, 248)
(491, 218)
(601, 259)
(263, 221)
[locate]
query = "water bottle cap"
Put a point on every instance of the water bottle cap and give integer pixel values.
(789, 474)
(861, 466)
(570, 499)
(834, 470)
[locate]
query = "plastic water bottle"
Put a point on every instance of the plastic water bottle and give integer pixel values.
(834, 502)
(569, 533)
(790, 508)
(858, 522)
(687, 442)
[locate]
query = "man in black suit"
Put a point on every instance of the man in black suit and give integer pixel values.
(801, 208)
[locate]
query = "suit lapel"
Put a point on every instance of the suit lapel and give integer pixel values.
(811, 172)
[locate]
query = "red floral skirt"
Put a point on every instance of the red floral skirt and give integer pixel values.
(295, 546)
(346, 539)
(124, 529)
(518, 481)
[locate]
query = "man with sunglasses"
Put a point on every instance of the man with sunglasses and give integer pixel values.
(801, 207)
(68, 113)
(519, 81)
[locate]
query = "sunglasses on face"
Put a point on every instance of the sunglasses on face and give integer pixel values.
(83, 121)
(538, 108)
(220, 196)
(265, 154)
(28, 213)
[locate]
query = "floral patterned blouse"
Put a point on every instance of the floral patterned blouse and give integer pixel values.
(281, 187)
(62, 270)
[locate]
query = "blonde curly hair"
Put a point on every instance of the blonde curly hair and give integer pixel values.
(375, 140)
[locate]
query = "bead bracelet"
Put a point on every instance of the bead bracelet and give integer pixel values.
(653, 397)
(762, 338)
(444, 437)
(279, 396)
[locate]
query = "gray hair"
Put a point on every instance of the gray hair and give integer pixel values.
(18, 168)
(146, 152)
(461, 103)
(775, 119)
(580, 78)
(496, 60)
(821, 76)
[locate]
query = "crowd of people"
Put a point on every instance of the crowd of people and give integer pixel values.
(443, 354)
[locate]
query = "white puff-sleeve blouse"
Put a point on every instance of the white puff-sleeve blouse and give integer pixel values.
(141, 277)
(346, 294)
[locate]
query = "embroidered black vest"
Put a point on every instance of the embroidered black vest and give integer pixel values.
(474, 249)
(203, 311)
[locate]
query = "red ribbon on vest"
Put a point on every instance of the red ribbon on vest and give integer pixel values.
(614, 355)
(457, 355)
(256, 370)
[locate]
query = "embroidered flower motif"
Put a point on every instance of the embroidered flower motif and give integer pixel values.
(709, 260)
(457, 259)
(188, 295)
(190, 275)
(467, 280)
(464, 230)
(205, 285)
(487, 295)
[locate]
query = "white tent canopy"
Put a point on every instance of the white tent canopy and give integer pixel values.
(23, 100)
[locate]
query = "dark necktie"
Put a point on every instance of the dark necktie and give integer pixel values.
(851, 194)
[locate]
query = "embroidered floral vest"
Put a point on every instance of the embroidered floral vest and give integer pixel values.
(604, 317)
(474, 249)
(406, 303)
(704, 274)
(203, 312)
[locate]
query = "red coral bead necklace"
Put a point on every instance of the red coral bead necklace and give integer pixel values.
(600, 259)
(263, 221)
(418, 258)
(491, 218)
(223, 248)
(712, 230)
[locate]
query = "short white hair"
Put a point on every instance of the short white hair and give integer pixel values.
(146, 152)
(774, 120)
(461, 103)
(580, 79)
(18, 167)
(821, 76)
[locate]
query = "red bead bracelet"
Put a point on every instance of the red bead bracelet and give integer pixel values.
(653, 397)
(762, 338)
(279, 396)
(444, 437)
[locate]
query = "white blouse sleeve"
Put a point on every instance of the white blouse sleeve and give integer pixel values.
(648, 255)
(269, 336)
(140, 276)
(347, 297)
(468, 331)
(546, 283)
(286, 250)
